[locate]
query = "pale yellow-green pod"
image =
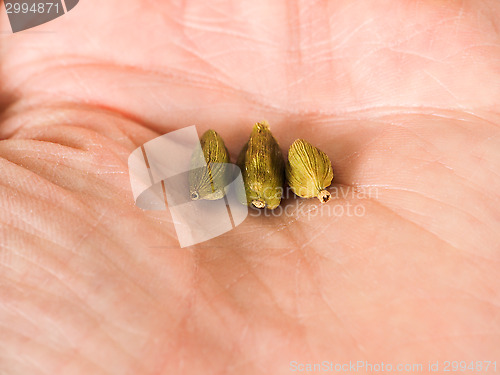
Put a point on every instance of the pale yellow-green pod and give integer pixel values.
(209, 182)
(309, 171)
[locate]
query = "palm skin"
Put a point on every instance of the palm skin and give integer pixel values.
(402, 95)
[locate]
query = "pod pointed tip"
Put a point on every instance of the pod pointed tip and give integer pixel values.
(259, 203)
(324, 196)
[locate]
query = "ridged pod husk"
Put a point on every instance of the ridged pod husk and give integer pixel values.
(263, 168)
(209, 182)
(308, 171)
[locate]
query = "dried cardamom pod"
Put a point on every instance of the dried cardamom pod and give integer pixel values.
(308, 171)
(262, 166)
(210, 181)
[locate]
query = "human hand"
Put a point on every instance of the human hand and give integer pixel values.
(402, 95)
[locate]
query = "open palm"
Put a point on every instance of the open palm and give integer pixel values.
(400, 267)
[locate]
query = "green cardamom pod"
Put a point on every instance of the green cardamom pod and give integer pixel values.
(210, 181)
(263, 168)
(308, 171)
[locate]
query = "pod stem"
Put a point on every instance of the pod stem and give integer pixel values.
(324, 196)
(259, 203)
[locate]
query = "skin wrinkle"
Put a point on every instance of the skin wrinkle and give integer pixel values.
(381, 111)
(294, 58)
(397, 44)
(476, 219)
(49, 347)
(465, 180)
(468, 253)
(24, 130)
(230, 33)
(190, 298)
(23, 230)
(258, 279)
(251, 97)
(22, 360)
(60, 204)
(187, 77)
(458, 121)
(447, 338)
(121, 270)
(226, 81)
(364, 148)
(181, 340)
(318, 233)
(460, 292)
(27, 258)
(496, 175)
(443, 86)
(360, 351)
(412, 340)
(241, 276)
(473, 186)
(242, 359)
(352, 33)
(24, 316)
(464, 50)
(44, 145)
(296, 304)
(438, 201)
(269, 291)
(84, 206)
(438, 162)
(93, 314)
(416, 54)
(17, 216)
(472, 296)
(460, 17)
(90, 230)
(416, 225)
(295, 218)
(419, 32)
(235, 353)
